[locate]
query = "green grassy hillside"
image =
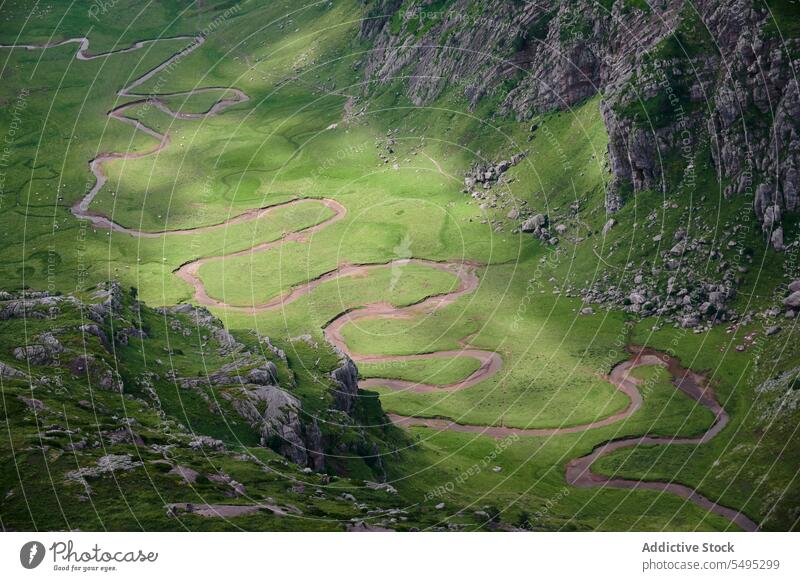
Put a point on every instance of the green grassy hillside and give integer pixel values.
(312, 129)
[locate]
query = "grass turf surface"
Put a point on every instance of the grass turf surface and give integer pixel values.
(278, 146)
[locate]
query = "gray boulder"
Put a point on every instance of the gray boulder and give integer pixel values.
(637, 298)
(534, 223)
(267, 374)
(200, 442)
(716, 298)
(93, 329)
(36, 354)
(9, 372)
(689, 321)
(678, 249)
(777, 239)
(32, 403)
(96, 372)
(793, 300)
(43, 352)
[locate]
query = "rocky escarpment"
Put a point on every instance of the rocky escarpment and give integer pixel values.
(57, 347)
(253, 388)
(684, 85)
(277, 415)
(84, 341)
(172, 413)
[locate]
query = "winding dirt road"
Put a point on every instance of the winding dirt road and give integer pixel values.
(579, 473)
(620, 378)
(190, 271)
(490, 362)
(578, 470)
(142, 102)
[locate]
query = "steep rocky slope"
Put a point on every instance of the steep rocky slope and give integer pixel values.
(684, 85)
(94, 343)
(97, 386)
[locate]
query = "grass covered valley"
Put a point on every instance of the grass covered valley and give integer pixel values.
(405, 265)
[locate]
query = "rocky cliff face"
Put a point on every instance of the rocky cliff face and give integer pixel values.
(708, 82)
(345, 389)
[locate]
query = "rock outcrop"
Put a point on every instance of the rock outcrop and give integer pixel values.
(345, 390)
(277, 415)
(44, 351)
(96, 372)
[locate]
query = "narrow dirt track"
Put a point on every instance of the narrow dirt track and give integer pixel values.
(142, 101)
(578, 470)
(579, 473)
(620, 378)
(490, 362)
(190, 272)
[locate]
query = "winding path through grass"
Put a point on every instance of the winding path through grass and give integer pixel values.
(694, 385)
(578, 470)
